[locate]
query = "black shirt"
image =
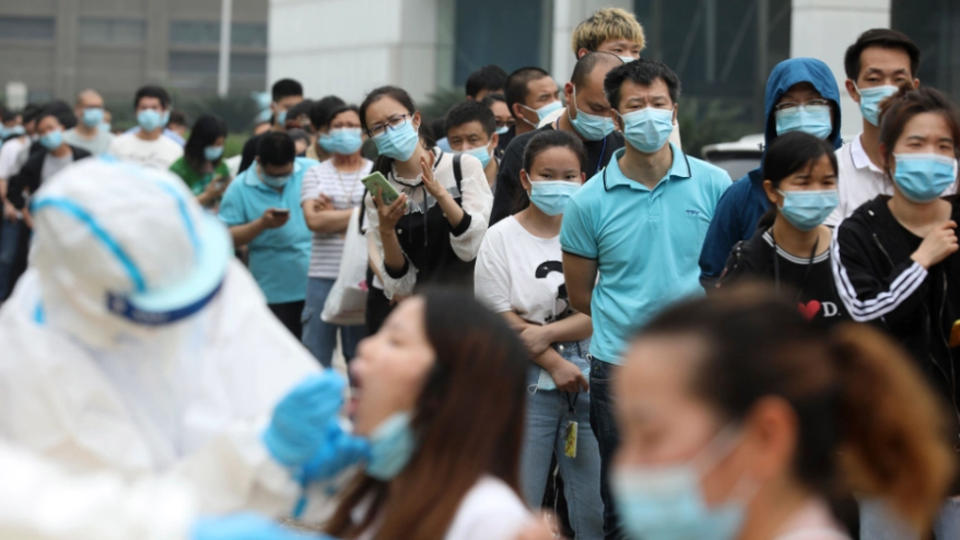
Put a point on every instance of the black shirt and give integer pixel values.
(509, 196)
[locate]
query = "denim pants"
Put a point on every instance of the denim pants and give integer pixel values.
(9, 242)
(319, 337)
(879, 522)
(548, 413)
(605, 429)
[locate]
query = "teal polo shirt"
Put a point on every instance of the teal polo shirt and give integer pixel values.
(279, 258)
(646, 243)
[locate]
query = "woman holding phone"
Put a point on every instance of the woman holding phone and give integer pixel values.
(432, 231)
(202, 166)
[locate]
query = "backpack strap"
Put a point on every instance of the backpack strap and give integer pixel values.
(457, 172)
(363, 210)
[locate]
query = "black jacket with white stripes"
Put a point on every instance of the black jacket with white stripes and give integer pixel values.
(879, 283)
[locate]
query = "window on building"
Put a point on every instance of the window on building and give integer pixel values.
(208, 33)
(192, 62)
(248, 64)
(934, 25)
(249, 35)
(31, 28)
(96, 31)
(481, 28)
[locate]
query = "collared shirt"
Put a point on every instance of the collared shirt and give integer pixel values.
(279, 258)
(646, 243)
(858, 180)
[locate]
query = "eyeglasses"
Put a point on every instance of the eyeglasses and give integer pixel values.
(506, 123)
(392, 122)
(791, 105)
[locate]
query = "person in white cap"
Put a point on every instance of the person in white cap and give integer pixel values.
(136, 344)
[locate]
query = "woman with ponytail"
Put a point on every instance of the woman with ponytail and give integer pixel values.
(741, 420)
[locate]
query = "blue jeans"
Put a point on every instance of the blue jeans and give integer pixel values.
(879, 522)
(9, 242)
(548, 412)
(605, 429)
(319, 337)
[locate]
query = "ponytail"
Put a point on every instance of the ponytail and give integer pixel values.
(892, 429)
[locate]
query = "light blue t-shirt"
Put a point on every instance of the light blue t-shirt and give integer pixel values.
(646, 243)
(279, 258)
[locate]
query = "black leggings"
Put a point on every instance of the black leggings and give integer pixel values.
(290, 314)
(378, 307)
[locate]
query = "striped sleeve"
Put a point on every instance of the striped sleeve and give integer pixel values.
(869, 293)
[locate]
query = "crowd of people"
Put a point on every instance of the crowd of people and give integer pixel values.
(542, 300)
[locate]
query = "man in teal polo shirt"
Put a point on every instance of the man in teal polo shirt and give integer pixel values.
(639, 224)
(262, 209)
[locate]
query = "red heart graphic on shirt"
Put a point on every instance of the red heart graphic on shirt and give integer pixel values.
(809, 310)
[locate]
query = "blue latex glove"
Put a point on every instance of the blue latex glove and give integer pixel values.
(298, 428)
(339, 451)
(247, 527)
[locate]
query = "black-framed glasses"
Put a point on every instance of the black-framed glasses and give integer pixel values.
(392, 122)
(792, 105)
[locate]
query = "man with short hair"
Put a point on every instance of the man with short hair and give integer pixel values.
(471, 129)
(612, 30)
(285, 94)
(531, 95)
(147, 145)
(501, 113)
(587, 115)
(877, 64)
(489, 79)
(178, 124)
(262, 209)
(638, 225)
(89, 133)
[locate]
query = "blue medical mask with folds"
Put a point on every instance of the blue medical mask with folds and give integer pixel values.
(281, 118)
(552, 196)
(544, 111)
(52, 139)
(343, 141)
(165, 117)
(807, 209)
(812, 119)
(276, 182)
(502, 130)
(17, 130)
(648, 129)
(667, 503)
(481, 152)
(870, 100)
(392, 444)
(590, 126)
(212, 153)
(924, 177)
(92, 116)
(398, 142)
(150, 119)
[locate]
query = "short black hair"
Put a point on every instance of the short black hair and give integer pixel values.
(61, 111)
(490, 99)
(341, 109)
(30, 112)
(300, 109)
(886, 39)
(205, 131)
(641, 71)
(515, 90)
(177, 117)
(285, 88)
(152, 91)
(490, 77)
(320, 111)
(590, 61)
(7, 114)
(552, 138)
(471, 111)
(276, 148)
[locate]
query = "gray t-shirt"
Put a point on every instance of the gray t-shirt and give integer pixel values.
(96, 145)
(52, 165)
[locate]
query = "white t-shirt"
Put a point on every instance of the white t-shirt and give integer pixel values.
(347, 192)
(53, 164)
(158, 154)
(96, 145)
(8, 156)
(489, 511)
(517, 271)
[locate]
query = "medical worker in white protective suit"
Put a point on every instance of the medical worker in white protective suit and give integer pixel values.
(135, 345)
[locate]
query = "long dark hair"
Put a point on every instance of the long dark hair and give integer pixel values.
(384, 163)
(468, 421)
(866, 420)
(788, 154)
(205, 131)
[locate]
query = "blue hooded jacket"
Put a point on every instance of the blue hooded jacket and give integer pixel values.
(744, 202)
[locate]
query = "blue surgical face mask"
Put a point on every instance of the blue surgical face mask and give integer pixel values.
(150, 119)
(590, 126)
(281, 118)
(398, 142)
(166, 118)
(17, 130)
(213, 153)
(276, 182)
(502, 130)
(343, 141)
(648, 129)
(626, 59)
(52, 139)
(870, 100)
(812, 119)
(92, 116)
(481, 152)
(806, 209)
(922, 178)
(392, 444)
(552, 196)
(667, 503)
(543, 112)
